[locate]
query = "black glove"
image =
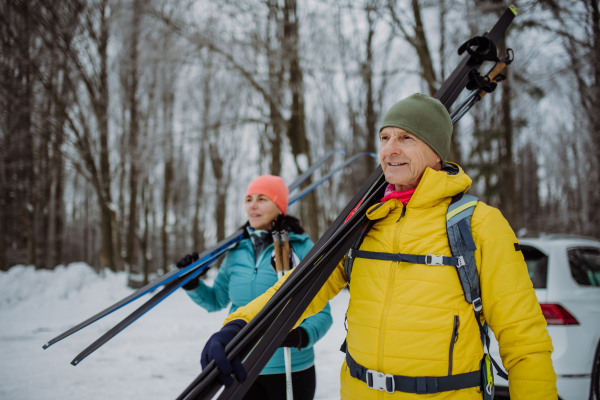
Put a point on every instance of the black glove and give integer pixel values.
(215, 350)
(188, 260)
(297, 338)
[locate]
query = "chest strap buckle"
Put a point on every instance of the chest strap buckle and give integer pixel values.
(380, 381)
(432, 259)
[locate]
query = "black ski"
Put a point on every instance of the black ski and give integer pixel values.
(257, 342)
(205, 257)
(181, 280)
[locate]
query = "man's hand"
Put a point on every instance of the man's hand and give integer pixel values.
(215, 350)
(188, 260)
(297, 338)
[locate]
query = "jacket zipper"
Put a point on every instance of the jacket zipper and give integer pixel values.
(453, 340)
(389, 294)
(267, 250)
(253, 280)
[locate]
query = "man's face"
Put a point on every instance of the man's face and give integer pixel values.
(404, 157)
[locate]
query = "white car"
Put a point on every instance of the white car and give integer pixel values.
(565, 271)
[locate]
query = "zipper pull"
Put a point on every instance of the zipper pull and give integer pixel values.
(403, 212)
(254, 273)
(456, 325)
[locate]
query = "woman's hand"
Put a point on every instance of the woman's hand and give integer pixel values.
(186, 261)
(297, 338)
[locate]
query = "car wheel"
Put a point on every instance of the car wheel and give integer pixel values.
(595, 386)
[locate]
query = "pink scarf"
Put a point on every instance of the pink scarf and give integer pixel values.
(390, 193)
(403, 196)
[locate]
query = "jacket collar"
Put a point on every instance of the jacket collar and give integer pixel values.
(434, 187)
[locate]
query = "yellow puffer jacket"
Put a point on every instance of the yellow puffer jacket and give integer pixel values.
(401, 316)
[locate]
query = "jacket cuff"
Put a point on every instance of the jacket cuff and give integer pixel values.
(310, 333)
(198, 294)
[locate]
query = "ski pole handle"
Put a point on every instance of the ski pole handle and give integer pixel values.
(500, 65)
(277, 249)
(492, 75)
(285, 251)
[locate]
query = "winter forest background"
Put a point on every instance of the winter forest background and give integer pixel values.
(129, 130)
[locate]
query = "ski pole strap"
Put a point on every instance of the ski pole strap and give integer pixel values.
(429, 259)
(480, 48)
(409, 384)
(486, 337)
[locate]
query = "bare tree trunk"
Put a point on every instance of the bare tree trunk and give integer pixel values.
(197, 233)
(443, 12)
(507, 194)
(107, 212)
(133, 135)
(168, 100)
(58, 203)
(276, 82)
(527, 185)
(595, 115)
(28, 174)
(86, 228)
(422, 49)
(296, 131)
(46, 184)
(3, 208)
(222, 181)
(144, 242)
(370, 113)
(418, 42)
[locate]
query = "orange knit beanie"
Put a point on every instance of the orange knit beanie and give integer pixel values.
(273, 187)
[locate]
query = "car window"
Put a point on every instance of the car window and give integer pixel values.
(585, 266)
(537, 266)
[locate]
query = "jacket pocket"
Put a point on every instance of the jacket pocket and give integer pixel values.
(453, 339)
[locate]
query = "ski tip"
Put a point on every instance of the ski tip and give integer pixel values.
(513, 8)
(74, 362)
(46, 346)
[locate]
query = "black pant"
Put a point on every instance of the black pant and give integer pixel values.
(272, 387)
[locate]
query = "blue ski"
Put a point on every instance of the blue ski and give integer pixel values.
(206, 258)
(187, 276)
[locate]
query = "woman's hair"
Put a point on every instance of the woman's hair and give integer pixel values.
(284, 222)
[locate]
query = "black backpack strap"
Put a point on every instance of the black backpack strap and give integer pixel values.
(349, 260)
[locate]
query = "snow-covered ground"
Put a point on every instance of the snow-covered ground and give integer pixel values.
(155, 358)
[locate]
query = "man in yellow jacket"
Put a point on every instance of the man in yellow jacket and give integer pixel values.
(411, 320)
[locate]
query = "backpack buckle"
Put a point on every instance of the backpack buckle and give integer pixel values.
(477, 304)
(432, 259)
(380, 381)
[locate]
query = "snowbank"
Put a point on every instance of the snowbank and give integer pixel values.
(154, 358)
(76, 283)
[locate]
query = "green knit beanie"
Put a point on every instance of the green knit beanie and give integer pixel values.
(424, 117)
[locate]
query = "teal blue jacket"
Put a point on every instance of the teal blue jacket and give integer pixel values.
(240, 280)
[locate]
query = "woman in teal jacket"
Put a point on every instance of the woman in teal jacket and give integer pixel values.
(248, 271)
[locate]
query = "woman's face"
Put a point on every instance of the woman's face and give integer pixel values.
(261, 211)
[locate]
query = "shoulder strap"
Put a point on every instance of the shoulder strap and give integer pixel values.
(349, 260)
(460, 239)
